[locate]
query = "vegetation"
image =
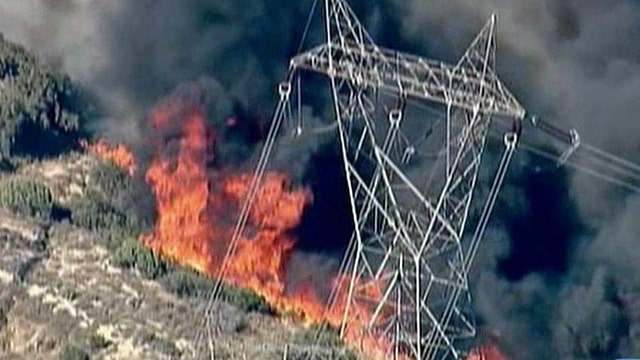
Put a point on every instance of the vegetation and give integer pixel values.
(188, 283)
(40, 111)
(110, 179)
(42, 115)
(5, 307)
(107, 208)
(132, 254)
(246, 300)
(183, 282)
(72, 352)
(105, 219)
(98, 342)
(26, 197)
(96, 215)
(324, 337)
(111, 184)
(165, 346)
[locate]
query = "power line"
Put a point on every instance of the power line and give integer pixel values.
(417, 260)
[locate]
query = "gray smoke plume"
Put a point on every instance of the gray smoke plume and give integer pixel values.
(575, 62)
(133, 53)
(578, 64)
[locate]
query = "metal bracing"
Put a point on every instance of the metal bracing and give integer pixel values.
(412, 133)
(409, 235)
(358, 60)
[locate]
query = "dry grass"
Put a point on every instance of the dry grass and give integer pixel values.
(74, 294)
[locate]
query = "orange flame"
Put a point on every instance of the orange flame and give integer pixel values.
(197, 210)
(119, 154)
(487, 352)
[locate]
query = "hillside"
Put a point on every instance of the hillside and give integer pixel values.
(74, 281)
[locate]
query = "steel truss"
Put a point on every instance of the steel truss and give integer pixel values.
(412, 133)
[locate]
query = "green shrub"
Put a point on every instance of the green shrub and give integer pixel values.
(40, 109)
(101, 217)
(181, 281)
(110, 179)
(187, 283)
(95, 216)
(132, 254)
(246, 300)
(72, 352)
(106, 207)
(26, 197)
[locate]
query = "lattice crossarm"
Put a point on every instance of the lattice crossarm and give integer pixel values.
(416, 77)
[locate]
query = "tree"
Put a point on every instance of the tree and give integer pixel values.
(40, 110)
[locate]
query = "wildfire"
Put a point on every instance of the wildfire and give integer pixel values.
(119, 154)
(197, 210)
(487, 352)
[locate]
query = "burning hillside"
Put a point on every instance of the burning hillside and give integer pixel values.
(487, 352)
(119, 155)
(197, 207)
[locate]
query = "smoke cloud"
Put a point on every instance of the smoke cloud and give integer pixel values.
(132, 53)
(578, 64)
(575, 62)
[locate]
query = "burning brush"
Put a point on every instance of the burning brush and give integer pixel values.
(197, 207)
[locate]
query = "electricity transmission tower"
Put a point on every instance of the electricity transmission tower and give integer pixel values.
(412, 133)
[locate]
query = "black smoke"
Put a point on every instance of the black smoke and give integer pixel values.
(557, 277)
(557, 280)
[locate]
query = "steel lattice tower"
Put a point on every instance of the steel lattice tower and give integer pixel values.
(412, 133)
